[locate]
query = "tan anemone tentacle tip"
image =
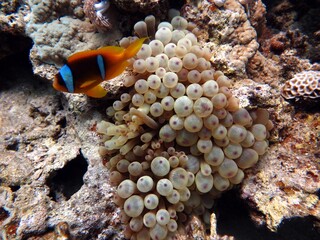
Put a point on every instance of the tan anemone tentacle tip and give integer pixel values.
(145, 118)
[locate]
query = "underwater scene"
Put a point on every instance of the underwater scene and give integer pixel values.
(160, 120)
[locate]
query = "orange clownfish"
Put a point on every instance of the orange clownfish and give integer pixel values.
(84, 71)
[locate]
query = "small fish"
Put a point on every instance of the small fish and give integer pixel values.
(84, 71)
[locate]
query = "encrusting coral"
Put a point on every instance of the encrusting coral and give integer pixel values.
(178, 138)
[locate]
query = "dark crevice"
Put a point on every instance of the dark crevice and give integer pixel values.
(13, 44)
(3, 215)
(299, 228)
(318, 193)
(49, 231)
(62, 122)
(23, 80)
(14, 188)
(176, 4)
(65, 182)
(11, 144)
(233, 219)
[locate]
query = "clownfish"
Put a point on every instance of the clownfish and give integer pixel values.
(84, 71)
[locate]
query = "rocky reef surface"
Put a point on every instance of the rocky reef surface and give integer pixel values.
(53, 183)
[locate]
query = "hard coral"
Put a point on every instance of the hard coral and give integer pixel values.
(304, 85)
(178, 138)
(8, 7)
(232, 39)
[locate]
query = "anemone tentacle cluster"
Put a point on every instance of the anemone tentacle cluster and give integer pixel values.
(178, 138)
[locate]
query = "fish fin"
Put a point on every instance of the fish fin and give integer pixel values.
(87, 83)
(96, 92)
(113, 54)
(116, 69)
(133, 48)
(82, 55)
(120, 64)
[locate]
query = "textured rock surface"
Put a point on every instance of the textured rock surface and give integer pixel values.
(13, 15)
(286, 181)
(288, 44)
(231, 37)
(50, 168)
(59, 29)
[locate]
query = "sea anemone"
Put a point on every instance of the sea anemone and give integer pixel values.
(178, 137)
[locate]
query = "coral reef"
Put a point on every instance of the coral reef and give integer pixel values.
(57, 34)
(11, 17)
(47, 10)
(300, 17)
(231, 37)
(289, 44)
(277, 194)
(179, 138)
(40, 140)
(12, 28)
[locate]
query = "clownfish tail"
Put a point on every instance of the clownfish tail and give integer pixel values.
(134, 48)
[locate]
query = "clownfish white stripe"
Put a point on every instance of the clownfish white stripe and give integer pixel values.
(102, 70)
(67, 77)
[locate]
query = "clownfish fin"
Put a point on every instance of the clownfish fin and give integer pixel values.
(113, 54)
(134, 48)
(87, 83)
(116, 69)
(96, 92)
(81, 55)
